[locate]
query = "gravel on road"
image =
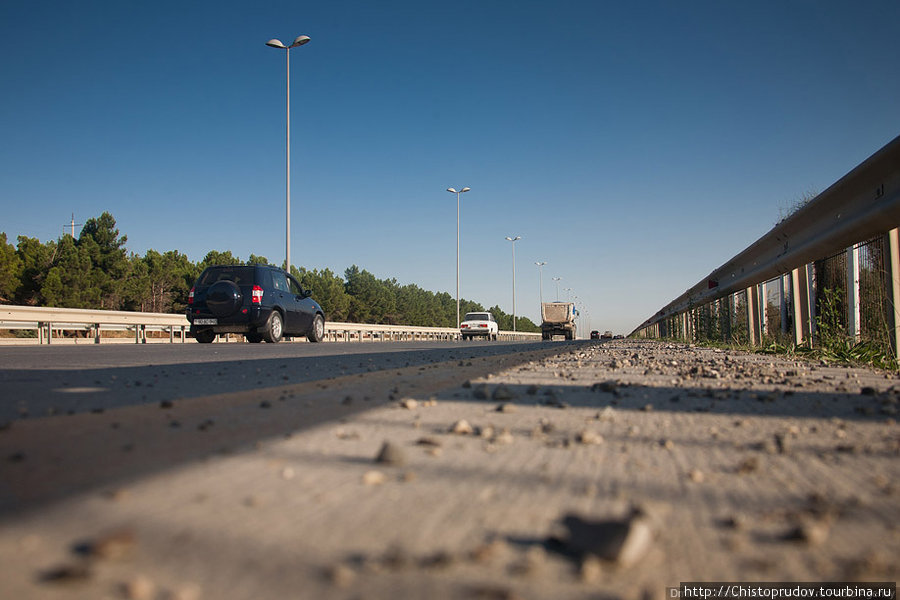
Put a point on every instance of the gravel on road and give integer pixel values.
(598, 470)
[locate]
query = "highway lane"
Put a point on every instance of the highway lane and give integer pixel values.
(78, 418)
(38, 381)
(766, 468)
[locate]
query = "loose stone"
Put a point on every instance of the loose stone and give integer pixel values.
(374, 478)
(462, 427)
(390, 454)
(588, 437)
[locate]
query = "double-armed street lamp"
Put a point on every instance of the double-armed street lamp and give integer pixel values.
(273, 43)
(453, 191)
(513, 240)
(557, 280)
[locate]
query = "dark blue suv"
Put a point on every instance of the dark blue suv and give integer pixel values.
(260, 301)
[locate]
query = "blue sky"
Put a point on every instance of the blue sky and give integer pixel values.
(634, 146)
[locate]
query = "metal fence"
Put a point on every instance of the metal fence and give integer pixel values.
(829, 271)
(34, 325)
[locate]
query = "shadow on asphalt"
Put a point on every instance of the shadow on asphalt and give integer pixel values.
(105, 448)
(32, 393)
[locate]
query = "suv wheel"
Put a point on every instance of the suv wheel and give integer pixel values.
(274, 328)
(205, 336)
(317, 331)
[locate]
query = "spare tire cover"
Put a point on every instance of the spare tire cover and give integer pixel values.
(224, 298)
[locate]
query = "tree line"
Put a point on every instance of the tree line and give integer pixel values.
(96, 271)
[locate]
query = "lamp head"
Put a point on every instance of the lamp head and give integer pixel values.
(300, 40)
(273, 43)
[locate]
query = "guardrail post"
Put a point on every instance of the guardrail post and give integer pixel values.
(800, 292)
(892, 277)
(96, 333)
(811, 287)
(783, 301)
(752, 313)
(729, 311)
(763, 310)
(853, 316)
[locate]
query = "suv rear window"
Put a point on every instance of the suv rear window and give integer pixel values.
(239, 275)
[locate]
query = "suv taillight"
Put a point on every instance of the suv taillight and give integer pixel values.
(256, 295)
(191, 297)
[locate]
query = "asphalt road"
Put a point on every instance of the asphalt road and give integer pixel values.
(578, 471)
(39, 381)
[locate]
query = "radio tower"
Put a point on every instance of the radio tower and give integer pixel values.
(73, 224)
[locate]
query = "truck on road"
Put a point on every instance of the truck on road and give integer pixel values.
(558, 318)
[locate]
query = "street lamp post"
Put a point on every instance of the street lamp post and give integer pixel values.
(556, 279)
(540, 266)
(453, 191)
(513, 240)
(274, 43)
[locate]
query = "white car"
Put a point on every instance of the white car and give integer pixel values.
(479, 324)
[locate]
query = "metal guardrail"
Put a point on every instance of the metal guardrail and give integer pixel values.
(50, 321)
(862, 205)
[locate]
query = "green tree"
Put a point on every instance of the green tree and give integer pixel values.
(95, 271)
(447, 310)
(214, 257)
(70, 282)
(11, 268)
(467, 306)
(109, 261)
(136, 287)
(327, 289)
(504, 321)
(37, 258)
(370, 299)
(161, 282)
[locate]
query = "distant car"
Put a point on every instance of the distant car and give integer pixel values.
(607, 335)
(595, 335)
(479, 324)
(260, 301)
(618, 337)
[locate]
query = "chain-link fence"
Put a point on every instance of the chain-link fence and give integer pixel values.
(833, 281)
(728, 319)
